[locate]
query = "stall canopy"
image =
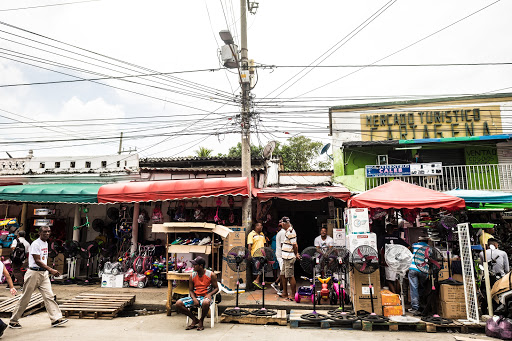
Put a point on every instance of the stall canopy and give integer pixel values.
(398, 194)
(51, 193)
(476, 197)
(302, 193)
(172, 190)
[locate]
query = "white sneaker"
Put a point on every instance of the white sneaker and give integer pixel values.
(276, 288)
(205, 241)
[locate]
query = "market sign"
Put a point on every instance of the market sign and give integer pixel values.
(413, 169)
(44, 211)
(43, 222)
(429, 124)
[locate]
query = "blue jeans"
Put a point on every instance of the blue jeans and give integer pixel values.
(416, 279)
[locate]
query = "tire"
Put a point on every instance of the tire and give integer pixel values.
(115, 271)
(297, 297)
(140, 284)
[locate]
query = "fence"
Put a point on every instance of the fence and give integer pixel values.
(481, 177)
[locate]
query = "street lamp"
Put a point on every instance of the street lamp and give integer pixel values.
(228, 52)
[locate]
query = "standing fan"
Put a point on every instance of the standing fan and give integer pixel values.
(309, 261)
(365, 259)
(399, 258)
(428, 260)
(446, 226)
(264, 258)
(237, 261)
(338, 263)
(88, 251)
(71, 250)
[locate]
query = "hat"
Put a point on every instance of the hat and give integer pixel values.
(285, 220)
(198, 261)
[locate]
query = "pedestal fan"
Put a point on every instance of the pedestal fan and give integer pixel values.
(264, 259)
(310, 258)
(337, 261)
(428, 260)
(446, 226)
(398, 259)
(237, 261)
(365, 259)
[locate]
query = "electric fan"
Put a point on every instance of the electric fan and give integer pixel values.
(237, 261)
(309, 260)
(446, 226)
(398, 259)
(71, 250)
(264, 259)
(338, 263)
(365, 259)
(88, 251)
(428, 260)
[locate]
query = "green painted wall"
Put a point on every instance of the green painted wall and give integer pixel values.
(481, 177)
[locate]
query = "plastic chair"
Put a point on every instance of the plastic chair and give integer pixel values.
(214, 312)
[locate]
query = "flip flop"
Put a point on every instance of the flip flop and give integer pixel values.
(189, 327)
(257, 285)
(200, 328)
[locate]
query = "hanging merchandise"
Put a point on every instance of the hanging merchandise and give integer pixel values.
(9, 227)
(86, 224)
(198, 213)
(231, 203)
(157, 216)
(217, 218)
(378, 213)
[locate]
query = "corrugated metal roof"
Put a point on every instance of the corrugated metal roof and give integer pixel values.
(194, 158)
(199, 169)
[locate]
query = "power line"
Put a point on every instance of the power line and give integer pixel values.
(49, 5)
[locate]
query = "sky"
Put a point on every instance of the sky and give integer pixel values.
(55, 56)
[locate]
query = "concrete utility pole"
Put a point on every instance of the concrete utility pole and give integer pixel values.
(245, 116)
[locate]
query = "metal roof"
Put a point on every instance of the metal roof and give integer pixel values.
(421, 101)
(195, 158)
(199, 169)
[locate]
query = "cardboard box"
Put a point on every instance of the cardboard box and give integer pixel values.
(453, 310)
(452, 293)
(395, 310)
(359, 288)
(112, 281)
(389, 299)
(339, 237)
(235, 238)
(229, 277)
(356, 220)
(355, 240)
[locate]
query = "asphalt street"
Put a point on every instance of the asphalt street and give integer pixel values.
(162, 327)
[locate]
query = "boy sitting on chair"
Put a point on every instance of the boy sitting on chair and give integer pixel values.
(199, 283)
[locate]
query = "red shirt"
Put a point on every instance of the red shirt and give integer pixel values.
(202, 283)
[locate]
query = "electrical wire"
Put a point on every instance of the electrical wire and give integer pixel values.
(49, 5)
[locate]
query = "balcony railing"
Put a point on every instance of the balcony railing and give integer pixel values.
(481, 177)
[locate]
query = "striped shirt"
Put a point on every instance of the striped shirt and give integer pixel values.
(415, 248)
(290, 238)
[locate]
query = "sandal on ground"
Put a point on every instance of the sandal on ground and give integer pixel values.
(200, 328)
(189, 327)
(257, 285)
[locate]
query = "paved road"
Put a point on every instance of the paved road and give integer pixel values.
(161, 327)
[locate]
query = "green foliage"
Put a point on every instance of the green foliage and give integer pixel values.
(203, 152)
(301, 153)
(236, 151)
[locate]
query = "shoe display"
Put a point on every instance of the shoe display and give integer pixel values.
(205, 241)
(177, 241)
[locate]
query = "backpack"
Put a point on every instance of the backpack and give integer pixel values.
(19, 255)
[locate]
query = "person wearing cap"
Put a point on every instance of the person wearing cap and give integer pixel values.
(416, 277)
(289, 253)
(199, 296)
(255, 240)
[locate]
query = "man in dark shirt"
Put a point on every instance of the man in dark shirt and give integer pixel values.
(390, 238)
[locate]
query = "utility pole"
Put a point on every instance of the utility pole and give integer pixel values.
(120, 144)
(245, 116)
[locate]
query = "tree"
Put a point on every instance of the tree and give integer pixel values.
(300, 154)
(256, 151)
(203, 152)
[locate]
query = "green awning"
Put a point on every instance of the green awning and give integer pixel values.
(51, 193)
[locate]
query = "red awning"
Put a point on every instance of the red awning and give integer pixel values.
(172, 190)
(302, 193)
(398, 194)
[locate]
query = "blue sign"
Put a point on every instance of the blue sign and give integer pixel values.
(387, 170)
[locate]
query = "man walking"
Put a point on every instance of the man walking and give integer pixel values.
(37, 278)
(279, 256)
(416, 277)
(19, 256)
(289, 253)
(497, 259)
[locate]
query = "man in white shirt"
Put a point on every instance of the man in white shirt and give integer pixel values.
(323, 241)
(37, 278)
(279, 256)
(16, 265)
(497, 259)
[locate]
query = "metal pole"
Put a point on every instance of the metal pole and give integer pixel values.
(23, 220)
(135, 227)
(120, 144)
(76, 222)
(246, 123)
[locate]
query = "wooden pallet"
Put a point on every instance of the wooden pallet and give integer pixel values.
(7, 306)
(394, 326)
(296, 321)
(460, 327)
(96, 306)
(279, 319)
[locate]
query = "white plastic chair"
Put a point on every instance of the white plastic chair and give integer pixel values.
(214, 312)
